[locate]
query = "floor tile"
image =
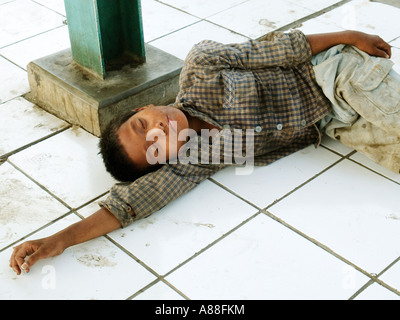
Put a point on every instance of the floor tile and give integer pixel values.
(203, 8)
(159, 291)
(266, 184)
(14, 81)
(94, 270)
(37, 47)
(68, 165)
(25, 124)
(182, 228)
(356, 15)
(179, 43)
(32, 19)
(258, 17)
(263, 260)
(350, 209)
(160, 19)
(25, 207)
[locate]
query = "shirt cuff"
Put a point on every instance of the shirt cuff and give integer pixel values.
(120, 211)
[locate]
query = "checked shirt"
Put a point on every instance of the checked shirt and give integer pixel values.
(267, 87)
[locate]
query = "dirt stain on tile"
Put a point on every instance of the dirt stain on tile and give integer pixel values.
(208, 225)
(95, 260)
(197, 224)
(267, 23)
(393, 216)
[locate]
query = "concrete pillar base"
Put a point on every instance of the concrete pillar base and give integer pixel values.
(72, 93)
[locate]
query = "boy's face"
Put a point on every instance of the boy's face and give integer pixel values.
(152, 130)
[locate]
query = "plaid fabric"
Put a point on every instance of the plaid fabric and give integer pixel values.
(267, 87)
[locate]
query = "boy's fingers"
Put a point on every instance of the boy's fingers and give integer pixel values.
(385, 48)
(30, 261)
(18, 261)
(13, 263)
(382, 53)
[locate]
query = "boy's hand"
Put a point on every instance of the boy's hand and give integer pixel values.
(373, 45)
(28, 253)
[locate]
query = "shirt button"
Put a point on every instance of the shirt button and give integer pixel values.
(258, 129)
(303, 123)
(279, 126)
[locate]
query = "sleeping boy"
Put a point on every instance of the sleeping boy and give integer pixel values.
(241, 104)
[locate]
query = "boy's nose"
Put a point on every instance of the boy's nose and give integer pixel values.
(160, 125)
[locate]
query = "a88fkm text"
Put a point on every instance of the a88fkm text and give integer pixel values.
(204, 309)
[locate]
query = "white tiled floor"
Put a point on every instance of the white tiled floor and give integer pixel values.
(319, 224)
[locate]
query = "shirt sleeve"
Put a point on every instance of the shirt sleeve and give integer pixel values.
(276, 49)
(153, 191)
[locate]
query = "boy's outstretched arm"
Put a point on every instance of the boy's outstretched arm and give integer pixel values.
(28, 253)
(373, 45)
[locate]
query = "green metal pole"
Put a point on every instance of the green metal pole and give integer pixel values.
(105, 35)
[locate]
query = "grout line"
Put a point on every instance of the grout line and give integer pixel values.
(41, 186)
(175, 289)
(44, 6)
(22, 95)
(372, 170)
(172, 32)
(234, 193)
(365, 286)
(336, 152)
(89, 202)
(227, 29)
(44, 226)
(7, 2)
(131, 255)
(30, 37)
(5, 156)
(348, 157)
(198, 17)
(153, 283)
(146, 287)
(178, 9)
(311, 16)
(15, 64)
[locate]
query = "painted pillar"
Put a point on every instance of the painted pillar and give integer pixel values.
(105, 34)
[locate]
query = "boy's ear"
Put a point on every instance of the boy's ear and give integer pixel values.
(143, 108)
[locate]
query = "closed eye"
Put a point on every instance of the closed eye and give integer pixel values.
(142, 123)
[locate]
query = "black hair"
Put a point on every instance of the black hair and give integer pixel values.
(116, 159)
